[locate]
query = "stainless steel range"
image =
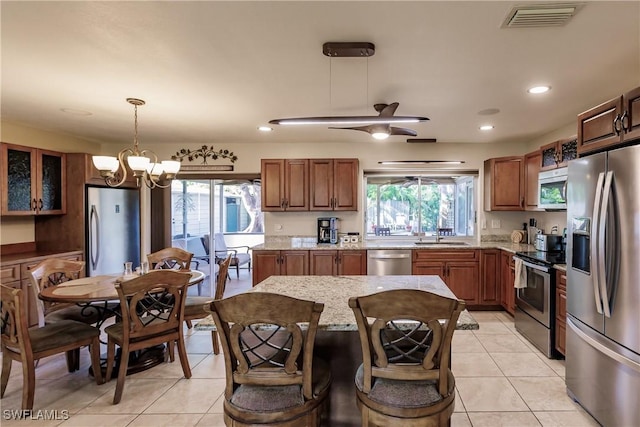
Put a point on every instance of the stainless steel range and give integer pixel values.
(535, 299)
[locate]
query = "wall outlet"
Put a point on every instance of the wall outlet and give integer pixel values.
(483, 224)
(495, 223)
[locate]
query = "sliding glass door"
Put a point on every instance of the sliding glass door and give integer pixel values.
(200, 209)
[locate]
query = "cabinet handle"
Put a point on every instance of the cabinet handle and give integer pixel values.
(35, 205)
(41, 204)
(616, 122)
(522, 202)
(624, 121)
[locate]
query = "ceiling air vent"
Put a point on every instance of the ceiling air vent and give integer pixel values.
(541, 15)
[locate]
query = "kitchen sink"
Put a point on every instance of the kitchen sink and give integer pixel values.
(443, 243)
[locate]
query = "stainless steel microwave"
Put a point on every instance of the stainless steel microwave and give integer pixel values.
(552, 189)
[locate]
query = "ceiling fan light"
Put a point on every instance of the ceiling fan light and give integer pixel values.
(380, 135)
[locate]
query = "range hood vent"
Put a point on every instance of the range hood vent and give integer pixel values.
(541, 15)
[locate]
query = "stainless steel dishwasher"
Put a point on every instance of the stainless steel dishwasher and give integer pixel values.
(388, 262)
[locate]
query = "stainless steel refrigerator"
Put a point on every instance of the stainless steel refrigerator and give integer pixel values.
(113, 229)
(603, 285)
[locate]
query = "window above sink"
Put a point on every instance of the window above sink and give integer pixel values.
(401, 207)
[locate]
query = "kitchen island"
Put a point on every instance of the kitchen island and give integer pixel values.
(337, 340)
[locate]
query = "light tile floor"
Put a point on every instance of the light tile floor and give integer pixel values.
(501, 380)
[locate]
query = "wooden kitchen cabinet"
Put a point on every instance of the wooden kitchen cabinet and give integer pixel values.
(531, 170)
(557, 154)
(561, 311)
(333, 184)
(338, 262)
(33, 181)
(490, 278)
(285, 185)
(268, 263)
(504, 184)
(508, 278)
(611, 123)
(14, 272)
(459, 269)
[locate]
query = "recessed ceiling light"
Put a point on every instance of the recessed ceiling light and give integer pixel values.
(539, 89)
(486, 127)
(265, 128)
(76, 112)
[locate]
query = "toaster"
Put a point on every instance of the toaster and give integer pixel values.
(548, 242)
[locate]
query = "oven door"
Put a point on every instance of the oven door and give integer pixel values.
(535, 298)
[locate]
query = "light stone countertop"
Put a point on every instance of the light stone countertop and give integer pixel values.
(335, 291)
(310, 243)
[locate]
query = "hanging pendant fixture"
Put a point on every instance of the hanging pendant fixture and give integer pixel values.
(143, 163)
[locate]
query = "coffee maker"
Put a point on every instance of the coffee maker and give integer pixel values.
(328, 230)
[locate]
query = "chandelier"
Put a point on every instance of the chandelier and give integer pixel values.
(143, 163)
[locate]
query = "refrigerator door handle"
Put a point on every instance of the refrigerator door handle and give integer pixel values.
(595, 226)
(602, 227)
(619, 358)
(94, 221)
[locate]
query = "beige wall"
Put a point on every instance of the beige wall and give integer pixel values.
(15, 230)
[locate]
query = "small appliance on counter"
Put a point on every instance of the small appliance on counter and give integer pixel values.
(548, 242)
(328, 230)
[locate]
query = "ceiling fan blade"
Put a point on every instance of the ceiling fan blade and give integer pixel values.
(403, 131)
(387, 110)
(362, 128)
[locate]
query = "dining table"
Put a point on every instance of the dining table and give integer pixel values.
(96, 292)
(337, 339)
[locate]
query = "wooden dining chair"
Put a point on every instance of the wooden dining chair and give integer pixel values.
(28, 345)
(152, 314)
(272, 377)
(405, 378)
(53, 272)
(195, 307)
(170, 258)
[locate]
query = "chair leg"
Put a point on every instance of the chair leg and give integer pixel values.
(122, 372)
(216, 342)
(6, 372)
(95, 360)
(28, 383)
(111, 357)
(238, 271)
(73, 360)
(184, 360)
(170, 350)
(189, 324)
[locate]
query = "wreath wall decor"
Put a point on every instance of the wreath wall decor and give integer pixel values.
(204, 153)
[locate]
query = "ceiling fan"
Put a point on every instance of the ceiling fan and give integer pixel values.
(383, 130)
(378, 126)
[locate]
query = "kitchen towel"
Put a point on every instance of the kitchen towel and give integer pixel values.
(521, 274)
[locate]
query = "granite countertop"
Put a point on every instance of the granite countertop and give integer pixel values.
(335, 291)
(310, 243)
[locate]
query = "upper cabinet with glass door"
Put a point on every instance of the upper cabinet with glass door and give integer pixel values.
(33, 181)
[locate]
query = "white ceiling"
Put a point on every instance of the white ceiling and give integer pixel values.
(211, 72)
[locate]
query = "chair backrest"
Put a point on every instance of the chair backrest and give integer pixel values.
(223, 269)
(153, 303)
(13, 323)
(205, 243)
(263, 342)
(170, 258)
(52, 272)
(410, 336)
(220, 244)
